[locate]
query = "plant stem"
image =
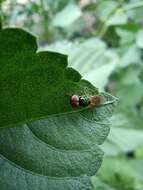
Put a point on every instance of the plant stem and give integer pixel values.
(105, 27)
(126, 8)
(44, 14)
(133, 6)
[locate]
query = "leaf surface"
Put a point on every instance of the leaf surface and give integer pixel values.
(29, 78)
(49, 144)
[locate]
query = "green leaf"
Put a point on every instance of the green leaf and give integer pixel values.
(131, 55)
(1, 1)
(139, 39)
(128, 81)
(58, 147)
(137, 163)
(123, 140)
(118, 18)
(59, 151)
(128, 49)
(29, 78)
(105, 9)
(116, 174)
(127, 34)
(71, 12)
(135, 96)
(96, 64)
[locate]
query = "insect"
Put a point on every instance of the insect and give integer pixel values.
(90, 101)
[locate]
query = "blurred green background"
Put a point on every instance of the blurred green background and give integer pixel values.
(104, 41)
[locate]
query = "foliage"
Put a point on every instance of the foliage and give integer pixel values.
(60, 151)
(104, 42)
(118, 174)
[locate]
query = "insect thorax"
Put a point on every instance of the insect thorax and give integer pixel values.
(84, 101)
